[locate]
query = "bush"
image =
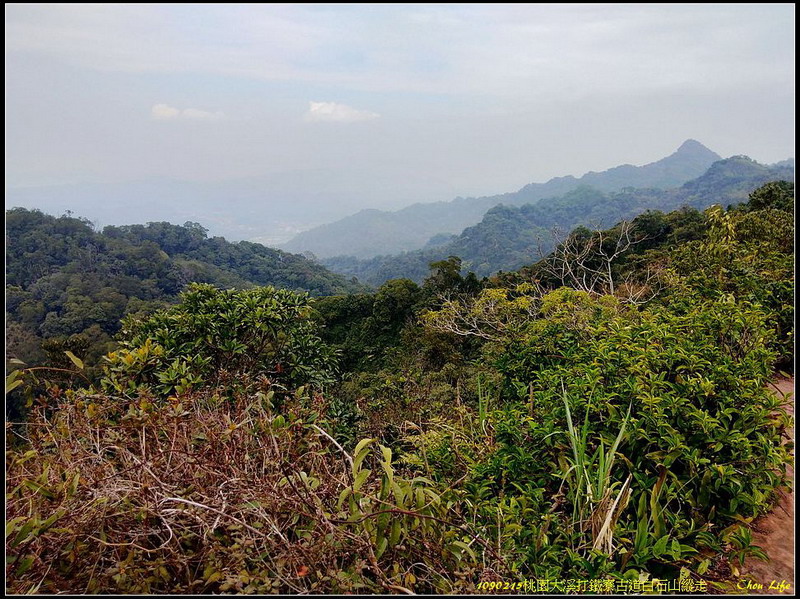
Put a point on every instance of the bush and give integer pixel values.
(702, 428)
(747, 254)
(230, 338)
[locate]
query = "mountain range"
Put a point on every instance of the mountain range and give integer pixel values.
(370, 233)
(509, 237)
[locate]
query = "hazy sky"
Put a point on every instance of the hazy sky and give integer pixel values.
(471, 99)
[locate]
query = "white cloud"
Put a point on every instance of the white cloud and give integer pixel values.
(342, 113)
(165, 112)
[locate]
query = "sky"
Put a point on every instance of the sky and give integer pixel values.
(392, 103)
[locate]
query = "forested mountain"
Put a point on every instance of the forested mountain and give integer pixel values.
(509, 237)
(373, 232)
(64, 279)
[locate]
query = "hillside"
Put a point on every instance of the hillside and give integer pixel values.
(227, 449)
(373, 232)
(64, 279)
(509, 237)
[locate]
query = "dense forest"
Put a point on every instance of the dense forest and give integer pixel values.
(600, 417)
(69, 285)
(511, 236)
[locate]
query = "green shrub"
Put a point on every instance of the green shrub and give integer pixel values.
(230, 338)
(703, 427)
(747, 254)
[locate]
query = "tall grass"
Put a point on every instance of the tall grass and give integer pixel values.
(590, 488)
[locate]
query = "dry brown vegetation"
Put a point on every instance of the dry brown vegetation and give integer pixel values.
(205, 495)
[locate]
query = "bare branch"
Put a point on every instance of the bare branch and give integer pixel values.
(587, 264)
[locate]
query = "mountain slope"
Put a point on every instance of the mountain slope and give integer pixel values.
(509, 237)
(64, 278)
(372, 232)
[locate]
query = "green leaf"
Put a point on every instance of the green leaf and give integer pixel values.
(703, 566)
(361, 445)
(342, 496)
(466, 548)
(394, 533)
(399, 494)
(361, 451)
(73, 486)
(12, 524)
(660, 546)
(387, 454)
(360, 478)
(419, 496)
(75, 359)
(386, 464)
(12, 385)
(24, 533)
(382, 544)
(676, 549)
(642, 534)
(38, 488)
(656, 513)
(24, 565)
(50, 521)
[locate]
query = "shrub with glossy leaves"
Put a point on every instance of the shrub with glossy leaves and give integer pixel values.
(702, 421)
(215, 337)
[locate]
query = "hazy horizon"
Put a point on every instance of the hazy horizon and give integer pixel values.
(338, 108)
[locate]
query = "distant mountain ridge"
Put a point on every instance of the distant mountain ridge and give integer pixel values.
(268, 209)
(509, 237)
(370, 233)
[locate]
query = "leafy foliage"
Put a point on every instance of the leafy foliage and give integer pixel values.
(749, 254)
(681, 392)
(68, 286)
(203, 497)
(224, 339)
(365, 326)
